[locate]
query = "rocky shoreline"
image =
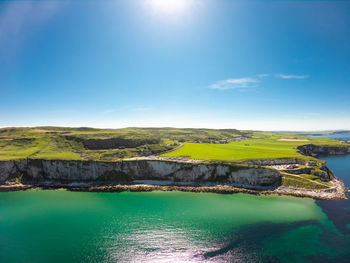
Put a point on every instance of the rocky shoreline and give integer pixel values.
(337, 192)
(258, 177)
(128, 171)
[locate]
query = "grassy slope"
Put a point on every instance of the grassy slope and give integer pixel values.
(52, 142)
(37, 145)
(299, 182)
(263, 146)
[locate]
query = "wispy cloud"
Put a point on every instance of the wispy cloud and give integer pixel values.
(244, 84)
(285, 76)
(238, 83)
(263, 75)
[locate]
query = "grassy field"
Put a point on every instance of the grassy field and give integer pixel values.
(110, 145)
(302, 183)
(69, 143)
(264, 145)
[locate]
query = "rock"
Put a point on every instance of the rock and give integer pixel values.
(316, 150)
(70, 171)
(304, 170)
(277, 161)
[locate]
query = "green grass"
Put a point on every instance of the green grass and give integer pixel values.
(234, 151)
(266, 147)
(67, 143)
(301, 183)
(45, 147)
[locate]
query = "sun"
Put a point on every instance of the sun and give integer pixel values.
(170, 6)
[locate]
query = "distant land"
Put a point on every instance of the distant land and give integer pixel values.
(145, 159)
(315, 133)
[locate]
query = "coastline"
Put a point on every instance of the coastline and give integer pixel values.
(338, 192)
(145, 174)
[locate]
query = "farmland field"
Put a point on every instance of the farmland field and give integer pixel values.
(270, 147)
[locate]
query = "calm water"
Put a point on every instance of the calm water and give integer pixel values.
(338, 136)
(62, 226)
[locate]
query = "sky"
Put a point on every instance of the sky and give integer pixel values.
(262, 65)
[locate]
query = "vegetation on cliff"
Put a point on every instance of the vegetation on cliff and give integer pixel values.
(228, 146)
(114, 144)
(102, 144)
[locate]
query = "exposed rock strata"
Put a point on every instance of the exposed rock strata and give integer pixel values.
(277, 161)
(337, 192)
(99, 175)
(298, 171)
(322, 172)
(126, 171)
(316, 150)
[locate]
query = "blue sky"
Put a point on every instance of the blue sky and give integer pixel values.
(266, 65)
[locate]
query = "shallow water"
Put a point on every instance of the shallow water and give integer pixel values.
(62, 226)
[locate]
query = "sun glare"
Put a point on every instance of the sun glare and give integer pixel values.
(170, 6)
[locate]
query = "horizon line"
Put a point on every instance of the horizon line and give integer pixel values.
(170, 127)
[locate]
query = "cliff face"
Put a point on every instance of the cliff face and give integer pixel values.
(315, 168)
(315, 150)
(127, 171)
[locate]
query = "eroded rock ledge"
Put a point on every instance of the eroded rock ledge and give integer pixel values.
(317, 150)
(35, 170)
(150, 175)
(334, 193)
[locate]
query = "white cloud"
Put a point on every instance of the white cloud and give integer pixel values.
(238, 83)
(263, 75)
(283, 76)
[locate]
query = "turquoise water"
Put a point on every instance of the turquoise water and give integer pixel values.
(62, 226)
(56, 226)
